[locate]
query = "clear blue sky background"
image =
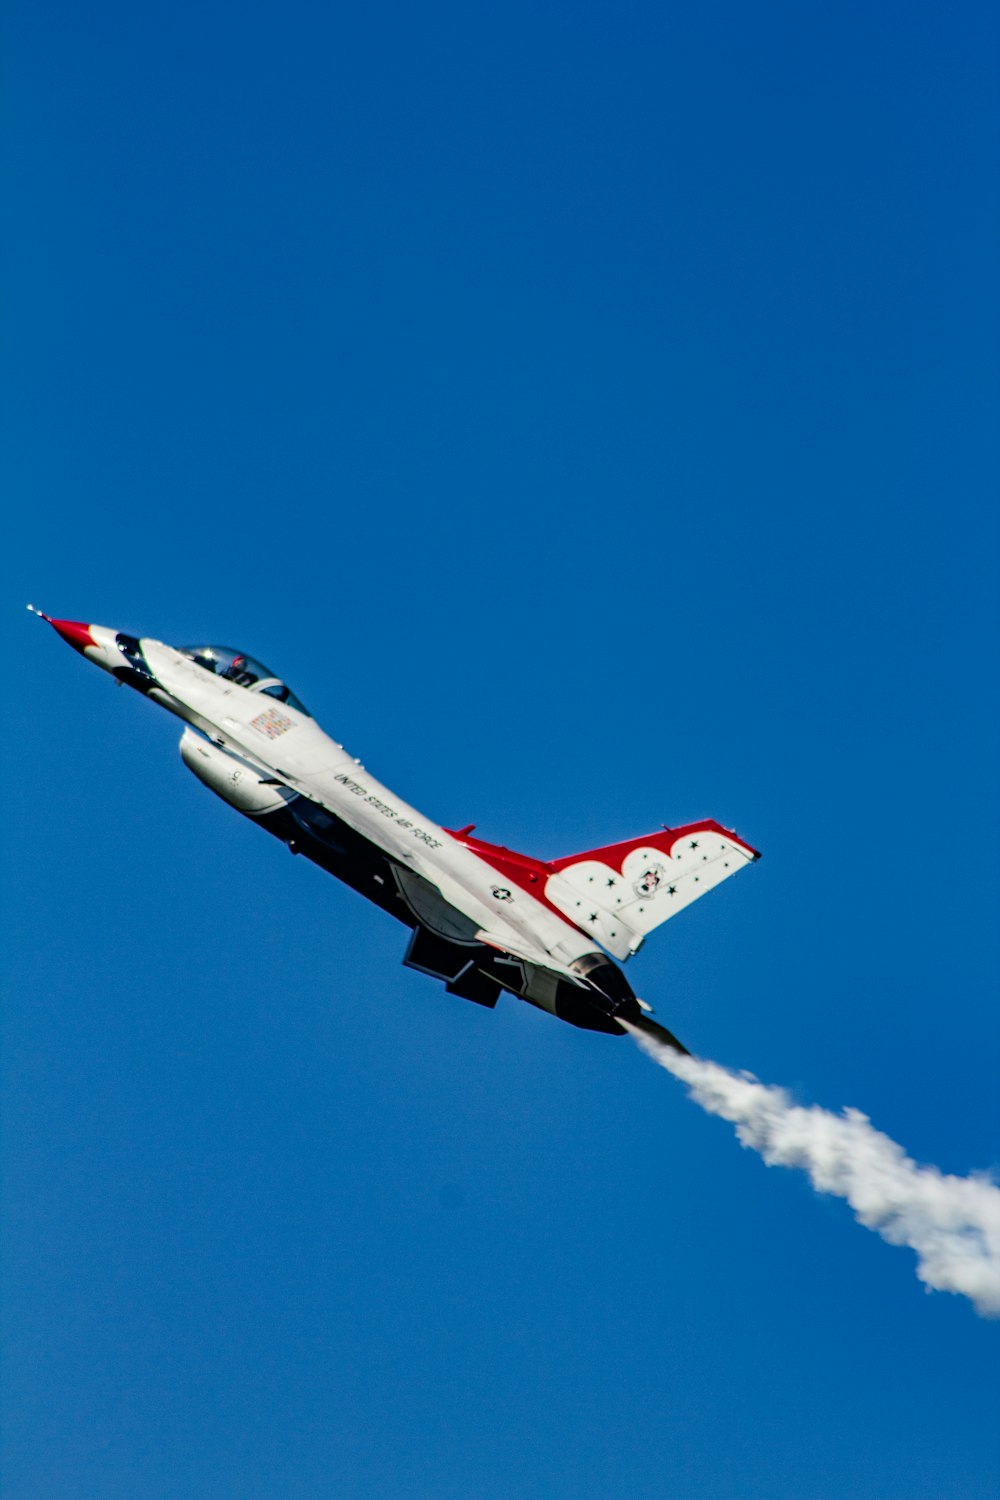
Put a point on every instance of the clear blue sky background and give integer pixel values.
(592, 411)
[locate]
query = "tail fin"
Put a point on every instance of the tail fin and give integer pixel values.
(621, 892)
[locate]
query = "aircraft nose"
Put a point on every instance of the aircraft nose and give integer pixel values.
(92, 641)
(111, 650)
(74, 633)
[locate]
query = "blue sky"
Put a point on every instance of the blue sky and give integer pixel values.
(592, 412)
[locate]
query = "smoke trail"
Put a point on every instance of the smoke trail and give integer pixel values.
(953, 1223)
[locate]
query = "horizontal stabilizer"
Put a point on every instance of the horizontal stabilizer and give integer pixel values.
(655, 1032)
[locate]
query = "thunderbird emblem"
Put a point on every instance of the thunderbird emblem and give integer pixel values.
(648, 881)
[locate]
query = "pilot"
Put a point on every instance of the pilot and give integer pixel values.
(237, 669)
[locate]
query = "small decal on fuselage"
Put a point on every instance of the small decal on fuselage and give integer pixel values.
(502, 893)
(271, 724)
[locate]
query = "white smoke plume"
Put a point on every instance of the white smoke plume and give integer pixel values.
(953, 1223)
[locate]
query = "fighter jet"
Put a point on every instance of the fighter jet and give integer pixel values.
(482, 918)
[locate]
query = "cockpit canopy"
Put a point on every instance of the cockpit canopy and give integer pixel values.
(244, 670)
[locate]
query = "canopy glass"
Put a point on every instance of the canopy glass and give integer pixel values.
(244, 670)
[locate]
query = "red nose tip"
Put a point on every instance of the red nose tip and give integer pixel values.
(76, 635)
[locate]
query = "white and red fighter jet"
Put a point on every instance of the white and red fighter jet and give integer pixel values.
(483, 918)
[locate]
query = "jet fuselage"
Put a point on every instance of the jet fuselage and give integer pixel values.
(483, 918)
